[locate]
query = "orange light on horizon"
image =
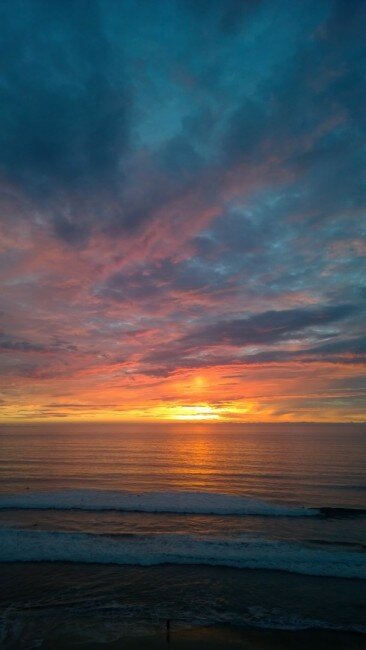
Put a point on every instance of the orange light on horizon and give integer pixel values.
(202, 412)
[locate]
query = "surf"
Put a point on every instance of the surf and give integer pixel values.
(204, 503)
(242, 552)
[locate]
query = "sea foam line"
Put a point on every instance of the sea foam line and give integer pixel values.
(244, 552)
(160, 502)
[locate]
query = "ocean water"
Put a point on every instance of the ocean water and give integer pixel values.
(110, 529)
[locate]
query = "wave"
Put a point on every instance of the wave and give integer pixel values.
(242, 552)
(342, 513)
(277, 619)
(159, 502)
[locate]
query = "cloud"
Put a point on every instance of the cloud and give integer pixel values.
(64, 107)
(181, 190)
(215, 343)
(79, 95)
(65, 126)
(11, 343)
(227, 16)
(269, 326)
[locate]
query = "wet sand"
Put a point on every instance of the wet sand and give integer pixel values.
(219, 638)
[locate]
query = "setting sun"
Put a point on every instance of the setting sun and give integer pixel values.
(194, 413)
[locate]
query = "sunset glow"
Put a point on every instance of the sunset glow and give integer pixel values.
(179, 239)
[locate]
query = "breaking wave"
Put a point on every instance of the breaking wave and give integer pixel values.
(159, 502)
(241, 552)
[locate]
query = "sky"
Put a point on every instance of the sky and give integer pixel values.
(182, 210)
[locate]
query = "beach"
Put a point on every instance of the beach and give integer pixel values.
(219, 638)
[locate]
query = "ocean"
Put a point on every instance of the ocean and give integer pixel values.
(108, 530)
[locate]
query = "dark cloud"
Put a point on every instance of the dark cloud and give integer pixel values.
(65, 125)
(64, 103)
(160, 280)
(202, 346)
(22, 346)
(307, 118)
(269, 326)
(354, 346)
(12, 343)
(77, 93)
(346, 351)
(161, 364)
(225, 16)
(356, 383)
(70, 231)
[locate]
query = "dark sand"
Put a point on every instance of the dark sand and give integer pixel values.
(221, 637)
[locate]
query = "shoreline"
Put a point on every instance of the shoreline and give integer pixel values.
(102, 603)
(219, 637)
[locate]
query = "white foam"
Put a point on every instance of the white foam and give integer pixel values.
(241, 552)
(277, 619)
(174, 502)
